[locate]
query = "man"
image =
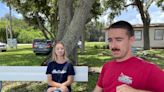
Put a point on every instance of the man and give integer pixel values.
(127, 73)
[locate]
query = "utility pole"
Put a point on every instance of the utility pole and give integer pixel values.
(10, 40)
(11, 33)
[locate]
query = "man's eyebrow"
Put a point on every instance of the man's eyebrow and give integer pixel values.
(118, 38)
(115, 38)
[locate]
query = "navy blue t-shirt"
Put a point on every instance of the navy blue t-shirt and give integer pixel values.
(56, 70)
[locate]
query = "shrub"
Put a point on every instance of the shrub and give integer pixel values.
(28, 36)
(3, 34)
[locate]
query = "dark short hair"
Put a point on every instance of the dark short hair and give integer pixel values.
(123, 25)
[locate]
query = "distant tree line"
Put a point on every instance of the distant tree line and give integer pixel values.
(94, 32)
(24, 33)
(21, 30)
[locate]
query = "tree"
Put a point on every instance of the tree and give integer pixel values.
(142, 7)
(66, 18)
(76, 26)
(2, 34)
(36, 13)
(160, 3)
(19, 27)
(94, 31)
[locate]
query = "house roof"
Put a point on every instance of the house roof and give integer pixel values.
(151, 25)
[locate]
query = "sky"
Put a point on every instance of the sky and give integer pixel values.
(131, 14)
(4, 10)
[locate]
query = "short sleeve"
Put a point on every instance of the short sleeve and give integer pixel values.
(155, 80)
(100, 78)
(49, 68)
(71, 70)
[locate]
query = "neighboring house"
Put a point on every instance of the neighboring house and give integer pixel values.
(156, 34)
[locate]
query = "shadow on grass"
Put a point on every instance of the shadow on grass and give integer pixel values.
(94, 57)
(92, 81)
(21, 59)
(92, 61)
(28, 87)
(92, 51)
(19, 49)
(86, 87)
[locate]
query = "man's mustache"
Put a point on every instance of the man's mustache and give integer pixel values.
(115, 49)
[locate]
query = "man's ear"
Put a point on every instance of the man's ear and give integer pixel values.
(132, 40)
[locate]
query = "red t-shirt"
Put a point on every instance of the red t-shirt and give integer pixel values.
(135, 72)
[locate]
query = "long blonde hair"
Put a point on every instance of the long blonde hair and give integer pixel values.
(54, 56)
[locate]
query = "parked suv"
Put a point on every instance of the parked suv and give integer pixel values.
(42, 46)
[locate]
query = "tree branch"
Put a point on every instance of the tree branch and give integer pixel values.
(148, 3)
(43, 29)
(133, 4)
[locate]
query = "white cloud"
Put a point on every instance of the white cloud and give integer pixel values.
(136, 19)
(157, 17)
(5, 10)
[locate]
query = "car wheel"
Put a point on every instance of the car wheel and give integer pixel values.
(3, 50)
(36, 53)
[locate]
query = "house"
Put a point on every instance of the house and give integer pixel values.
(156, 34)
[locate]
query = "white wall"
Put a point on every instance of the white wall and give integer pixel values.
(153, 43)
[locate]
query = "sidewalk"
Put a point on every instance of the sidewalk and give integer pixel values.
(24, 44)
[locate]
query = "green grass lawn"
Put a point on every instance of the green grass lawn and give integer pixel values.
(22, 56)
(94, 56)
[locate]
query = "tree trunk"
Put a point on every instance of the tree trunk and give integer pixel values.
(77, 24)
(146, 35)
(54, 27)
(74, 29)
(65, 17)
(73, 57)
(83, 42)
(146, 21)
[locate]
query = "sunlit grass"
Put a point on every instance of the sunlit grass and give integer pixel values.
(22, 56)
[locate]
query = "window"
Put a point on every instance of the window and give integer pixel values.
(158, 34)
(138, 35)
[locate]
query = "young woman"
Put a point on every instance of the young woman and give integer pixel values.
(59, 72)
